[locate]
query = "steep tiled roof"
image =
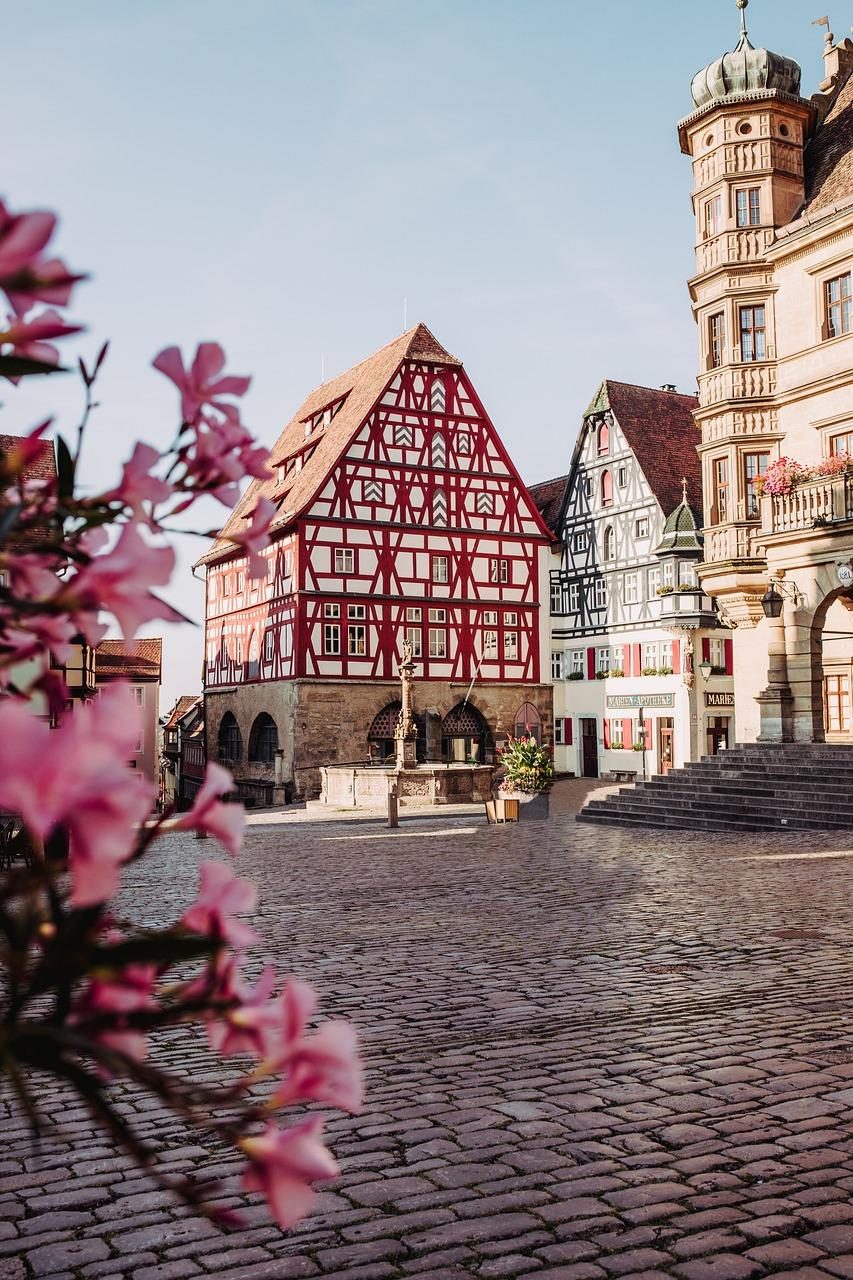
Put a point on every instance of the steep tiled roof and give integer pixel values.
(829, 156)
(358, 389)
(184, 704)
(659, 427)
(129, 659)
(548, 496)
(42, 466)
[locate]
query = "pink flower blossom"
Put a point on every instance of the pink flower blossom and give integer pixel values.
(256, 537)
(119, 581)
(225, 822)
(249, 1027)
(22, 238)
(201, 384)
(128, 991)
(221, 895)
(138, 485)
(283, 1163)
(28, 338)
(323, 1067)
(76, 776)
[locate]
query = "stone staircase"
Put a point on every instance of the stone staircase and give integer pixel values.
(753, 787)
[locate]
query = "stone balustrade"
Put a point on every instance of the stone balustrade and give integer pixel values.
(822, 501)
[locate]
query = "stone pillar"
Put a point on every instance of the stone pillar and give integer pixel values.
(776, 701)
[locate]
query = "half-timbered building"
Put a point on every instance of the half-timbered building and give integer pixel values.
(400, 516)
(640, 665)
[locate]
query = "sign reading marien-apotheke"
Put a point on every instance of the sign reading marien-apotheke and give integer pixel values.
(719, 699)
(628, 701)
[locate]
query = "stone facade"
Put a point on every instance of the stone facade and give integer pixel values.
(773, 198)
(323, 722)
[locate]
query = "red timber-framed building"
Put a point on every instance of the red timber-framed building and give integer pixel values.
(400, 515)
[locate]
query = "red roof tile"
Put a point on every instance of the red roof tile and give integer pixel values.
(129, 659)
(360, 388)
(41, 467)
(548, 496)
(660, 429)
(829, 156)
(184, 704)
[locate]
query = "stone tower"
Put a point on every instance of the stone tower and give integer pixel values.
(746, 137)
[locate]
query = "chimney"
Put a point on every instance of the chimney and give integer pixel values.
(668, 386)
(837, 61)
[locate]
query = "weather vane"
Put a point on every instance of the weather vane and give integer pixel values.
(824, 22)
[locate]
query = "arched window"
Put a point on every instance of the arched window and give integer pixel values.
(609, 543)
(603, 439)
(465, 736)
(380, 736)
(263, 740)
(528, 722)
(230, 742)
(606, 489)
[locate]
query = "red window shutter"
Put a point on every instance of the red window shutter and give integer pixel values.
(627, 734)
(606, 734)
(706, 649)
(635, 660)
(567, 731)
(676, 656)
(590, 664)
(647, 726)
(729, 657)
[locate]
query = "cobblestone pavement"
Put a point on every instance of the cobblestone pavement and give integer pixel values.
(591, 1054)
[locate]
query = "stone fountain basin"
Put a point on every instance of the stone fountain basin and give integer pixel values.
(425, 785)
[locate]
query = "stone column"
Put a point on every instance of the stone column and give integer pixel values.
(776, 701)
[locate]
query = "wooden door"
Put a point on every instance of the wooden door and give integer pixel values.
(589, 747)
(666, 744)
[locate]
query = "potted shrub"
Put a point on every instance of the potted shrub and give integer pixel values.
(528, 771)
(664, 671)
(575, 675)
(665, 591)
(602, 675)
(617, 671)
(649, 671)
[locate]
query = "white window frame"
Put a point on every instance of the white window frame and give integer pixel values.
(356, 640)
(577, 662)
(557, 664)
(441, 569)
(438, 642)
(602, 660)
(631, 588)
(344, 561)
(601, 593)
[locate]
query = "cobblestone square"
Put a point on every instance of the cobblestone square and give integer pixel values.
(591, 1053)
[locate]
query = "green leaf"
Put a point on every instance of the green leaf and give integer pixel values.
(65, 468)
(20, 367)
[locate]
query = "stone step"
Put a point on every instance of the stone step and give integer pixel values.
(742, 807)
(658, 820)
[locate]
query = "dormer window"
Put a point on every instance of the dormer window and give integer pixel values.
(603, 439)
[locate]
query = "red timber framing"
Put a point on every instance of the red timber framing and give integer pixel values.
(418, 526)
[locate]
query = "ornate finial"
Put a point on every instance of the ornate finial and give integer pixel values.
(741, 4)
(684, 490)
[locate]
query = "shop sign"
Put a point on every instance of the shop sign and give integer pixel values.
(719, 699)
(633, 701)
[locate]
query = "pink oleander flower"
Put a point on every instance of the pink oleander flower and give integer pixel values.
(22, 238)
(256, 537)
(283, 1163)
(32, 576)
(28, 338)
(248, 1028)
(201, 383)
(323, 1067)
(118, 581)
(76, 776)
(225, 822)
(138, 485)
(221, 895)
(129, 991)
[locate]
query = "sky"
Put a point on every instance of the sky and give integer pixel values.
(301, 180)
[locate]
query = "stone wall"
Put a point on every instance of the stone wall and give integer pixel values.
(327, 721)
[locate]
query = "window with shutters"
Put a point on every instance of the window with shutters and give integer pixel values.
(618, 658)
(617, 739)
(602, 661)
(558, 732)
(717, 654)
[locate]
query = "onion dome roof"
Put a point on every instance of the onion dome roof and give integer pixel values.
(681, 531)
(745, 71)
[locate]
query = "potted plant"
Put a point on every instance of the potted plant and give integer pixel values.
(602, 675)
(528, 771)
(649, 671)
(575, 675)
(665, 591)
(664, 671)
(617, 671)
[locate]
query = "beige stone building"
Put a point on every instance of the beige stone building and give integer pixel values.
(773, 300)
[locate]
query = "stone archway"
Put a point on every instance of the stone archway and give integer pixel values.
(380, 735)
(230, 740)
(465, 736)
(831, 655)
